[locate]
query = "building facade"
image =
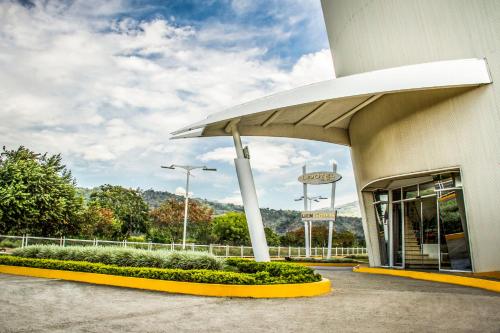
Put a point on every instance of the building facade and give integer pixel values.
(427, 165)
(416, 100)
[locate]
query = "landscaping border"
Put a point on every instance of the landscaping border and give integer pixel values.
(190, 288)
(435, 277)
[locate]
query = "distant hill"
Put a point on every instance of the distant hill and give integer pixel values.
(281, 220)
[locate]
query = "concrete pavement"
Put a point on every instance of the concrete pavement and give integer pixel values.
(359, 303)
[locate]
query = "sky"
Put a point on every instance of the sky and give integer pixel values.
(104, 83)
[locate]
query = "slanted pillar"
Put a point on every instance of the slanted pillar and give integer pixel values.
(330, 223)
(250, 201)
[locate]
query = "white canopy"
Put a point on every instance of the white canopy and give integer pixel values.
(322, 111)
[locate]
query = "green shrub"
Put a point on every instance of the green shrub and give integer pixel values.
(273, 270)
(123, 256)
(358, 256)
(329, 261)
(266, 276)
(10, 243)
(138, 239)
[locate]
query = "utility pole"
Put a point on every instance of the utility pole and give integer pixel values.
(188, 169)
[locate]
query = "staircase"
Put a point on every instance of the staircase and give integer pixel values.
(413, 255)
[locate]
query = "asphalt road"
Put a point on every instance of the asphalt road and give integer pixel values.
(359, 303)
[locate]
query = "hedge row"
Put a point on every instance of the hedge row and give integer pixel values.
(284, 271)
(123, 256)
(252, 277)
(329, 261)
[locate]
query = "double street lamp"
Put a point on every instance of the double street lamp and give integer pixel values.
(308, 224)
(188, 169)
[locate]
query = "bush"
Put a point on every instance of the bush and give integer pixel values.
(123, 256)
(284, 272)
(328, 261)
(358, 256)
(10, 243)
(267, 275)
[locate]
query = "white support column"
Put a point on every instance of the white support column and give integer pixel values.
(306, 236)
(310, 237)
(250, 201)
(330, 236)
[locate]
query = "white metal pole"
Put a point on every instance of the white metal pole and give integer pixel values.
(310, 237)
(330, 223)
(250, 201)
(188, 172)
(330, 236)
(306, 236)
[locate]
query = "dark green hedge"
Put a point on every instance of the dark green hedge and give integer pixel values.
(283, 272)
(262, 273)
(315, 260)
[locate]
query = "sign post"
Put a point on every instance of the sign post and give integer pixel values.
(308, 215)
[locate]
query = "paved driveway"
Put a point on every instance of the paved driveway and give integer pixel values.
(360, 303)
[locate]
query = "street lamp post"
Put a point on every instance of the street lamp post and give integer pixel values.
(308, 224)
(188, 169)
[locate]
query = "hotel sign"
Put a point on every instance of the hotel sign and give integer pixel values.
(318, 215)
(318, 178)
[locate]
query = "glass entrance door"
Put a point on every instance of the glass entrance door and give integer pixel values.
(421, 233)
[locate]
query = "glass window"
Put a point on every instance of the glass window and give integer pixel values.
(454, 243)
(426, 189)
(397, 234)
(381, 196)
(382, 216)
(396, 195)
(410, 192)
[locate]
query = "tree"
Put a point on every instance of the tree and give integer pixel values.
(273, 239)
(100, 222)
(127, 206)
(168, 221)
(37, 195)
(230, 228)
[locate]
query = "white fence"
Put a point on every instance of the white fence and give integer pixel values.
(215, 249)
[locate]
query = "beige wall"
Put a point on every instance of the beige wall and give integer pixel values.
(427, 130)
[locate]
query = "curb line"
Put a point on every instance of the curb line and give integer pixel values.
(190, 288)
(435, 277)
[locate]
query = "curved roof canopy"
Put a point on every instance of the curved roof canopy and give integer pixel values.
(322, 111)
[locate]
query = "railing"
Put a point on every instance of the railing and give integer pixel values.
(216, 249)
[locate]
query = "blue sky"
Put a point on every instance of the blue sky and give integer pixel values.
(105, 82)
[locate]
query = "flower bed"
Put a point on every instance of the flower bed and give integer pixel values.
(242, 272)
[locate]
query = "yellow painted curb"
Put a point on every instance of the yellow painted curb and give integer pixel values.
(191, 288)
(435, 277)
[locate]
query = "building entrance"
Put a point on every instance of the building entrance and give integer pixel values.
(423, 225)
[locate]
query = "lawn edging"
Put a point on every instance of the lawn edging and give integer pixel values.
(190, 288)
(434, 277)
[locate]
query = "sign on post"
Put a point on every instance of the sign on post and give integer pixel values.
(319, 215)
(318, 178)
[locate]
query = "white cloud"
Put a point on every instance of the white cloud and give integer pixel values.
(107, 92)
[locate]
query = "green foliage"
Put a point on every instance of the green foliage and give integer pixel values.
(123, 256)
(230, 228)
(315, 260)
(273, 239)
(127, 205)
(168, 221)
(100, 223)
(10, 243)
(37, 195)
(274, 272)
(269, 273)
(319, 237)
(138, 239)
